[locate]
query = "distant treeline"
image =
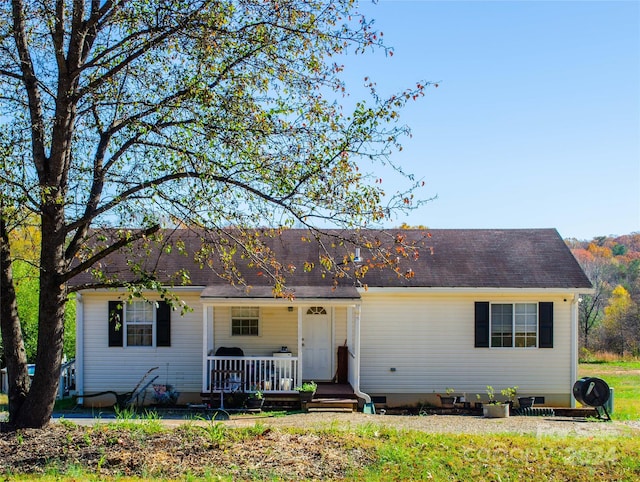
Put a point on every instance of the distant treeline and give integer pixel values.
(610, 317)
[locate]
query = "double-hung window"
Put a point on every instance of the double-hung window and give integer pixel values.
(514, 325)
(245, 321)
(139, 323)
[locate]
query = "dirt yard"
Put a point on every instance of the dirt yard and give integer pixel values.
(98, 447)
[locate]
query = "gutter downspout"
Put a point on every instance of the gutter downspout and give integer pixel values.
(368, 406)
(574, 345)
(79, 347)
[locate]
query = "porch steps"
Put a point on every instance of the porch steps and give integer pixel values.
(332, 397)
(329, 397)
(331, 405)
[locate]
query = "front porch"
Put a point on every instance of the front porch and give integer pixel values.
(255, 342)
(268, 374)
(330, 396)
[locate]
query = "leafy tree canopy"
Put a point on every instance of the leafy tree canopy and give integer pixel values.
(152, 113)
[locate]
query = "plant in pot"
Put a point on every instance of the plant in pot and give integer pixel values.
(510, 393)
(165, 394)
(447, 401)
(307, 390)
(234, 400)
(526, 402)
(255, 400)
(494, 408)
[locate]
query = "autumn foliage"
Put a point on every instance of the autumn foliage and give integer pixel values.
(610, 317)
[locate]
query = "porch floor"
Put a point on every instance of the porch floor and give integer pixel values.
(333, 397)
(329, 396)
(334, 390)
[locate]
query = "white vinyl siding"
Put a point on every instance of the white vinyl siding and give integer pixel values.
(340, 328)
(120, 369)
(426, 338)
(429, 340)
(278, 328)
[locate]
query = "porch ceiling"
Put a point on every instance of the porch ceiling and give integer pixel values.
(266, 292)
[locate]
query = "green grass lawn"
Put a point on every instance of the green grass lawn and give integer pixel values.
(371, 452)
(428, 456)
(368, 452)
(624, 378)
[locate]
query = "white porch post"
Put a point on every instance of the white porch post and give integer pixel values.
(300, 348)
(79, 346)
(350, 327)
(207, 342)
(350, 346)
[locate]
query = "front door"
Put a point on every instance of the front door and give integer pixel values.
(316, 344)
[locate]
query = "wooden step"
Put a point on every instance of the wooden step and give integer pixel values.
(575, 412)
(331, 405)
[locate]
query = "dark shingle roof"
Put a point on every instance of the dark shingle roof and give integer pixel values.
(449, 258)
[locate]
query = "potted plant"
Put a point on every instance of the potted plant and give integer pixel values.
(463, 402)
(307, 390)
(526, 402)
(510, 393)
(494, 408)
(255, 400)
(447, 401)
(165, 394)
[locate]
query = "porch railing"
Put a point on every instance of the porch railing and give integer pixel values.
(67, 378)
(252, 373)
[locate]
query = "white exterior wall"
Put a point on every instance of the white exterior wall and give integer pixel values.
(429, 339)
(120, 368)
(278, 327)
(339, 328)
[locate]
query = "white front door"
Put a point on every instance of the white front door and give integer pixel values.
(316, 344)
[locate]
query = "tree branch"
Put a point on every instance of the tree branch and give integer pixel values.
(108, 250)
(13, 75)
(30, 82)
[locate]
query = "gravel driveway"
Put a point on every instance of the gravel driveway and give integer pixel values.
(429, 423)
(452, 424)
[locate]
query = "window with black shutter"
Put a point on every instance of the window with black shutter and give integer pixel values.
(546, 324)
(163, 324)
(513, 325)
(116, 329)
(139, 323)
(482, 324)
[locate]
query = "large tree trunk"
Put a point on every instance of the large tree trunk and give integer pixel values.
(15, 355)
(38, 406)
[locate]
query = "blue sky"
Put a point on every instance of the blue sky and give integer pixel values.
(536, 121)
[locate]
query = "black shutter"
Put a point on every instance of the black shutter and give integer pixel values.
(163, 324)
(482, 324)
(116, 327)
(545, 324)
